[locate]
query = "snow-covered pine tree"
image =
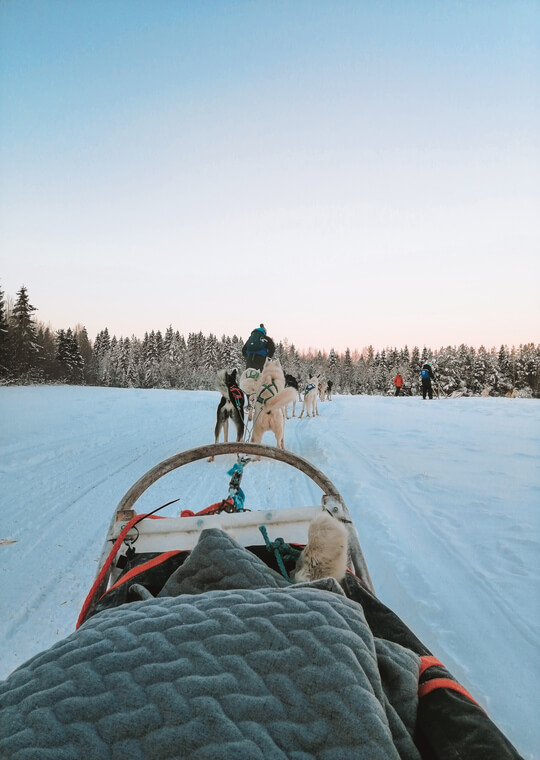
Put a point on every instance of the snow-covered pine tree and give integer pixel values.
(74, 358)
(160, 345)
(4, 339)
(527, 369)
(506, 382)
(481, 372)
(25, 347)
(87, 353)
(210, 361)
(381, 375)
(150, 357)
(135, 374)
(332, 363)
(168, 340)
(102, 344)
(47, 352)
(346, 379)
(448, 372)
(414, 370)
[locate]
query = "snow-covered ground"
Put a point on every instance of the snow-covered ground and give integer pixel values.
(444, 495)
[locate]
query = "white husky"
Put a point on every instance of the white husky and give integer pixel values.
(249, 383)
(310, 397)
(271, 398)
(326, 551)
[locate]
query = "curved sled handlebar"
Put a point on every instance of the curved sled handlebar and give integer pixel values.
(215, 449)
(331, 500)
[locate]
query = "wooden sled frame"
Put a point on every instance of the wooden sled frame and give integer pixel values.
(182, 533)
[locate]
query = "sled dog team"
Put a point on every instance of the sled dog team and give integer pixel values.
(269, 393)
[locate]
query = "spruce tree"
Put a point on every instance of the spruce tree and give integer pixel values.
(24, 335)
(346, 375)
(4, 338)
(87, 353)
(47, 353)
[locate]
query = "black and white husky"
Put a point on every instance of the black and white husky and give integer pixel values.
(230, 407)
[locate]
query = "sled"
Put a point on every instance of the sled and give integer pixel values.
(129, 532)
(191, 642)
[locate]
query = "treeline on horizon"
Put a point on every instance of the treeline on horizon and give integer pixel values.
(31, 352)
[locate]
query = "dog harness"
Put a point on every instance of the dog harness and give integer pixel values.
(267, 392)
(236, 395)
(309, 388)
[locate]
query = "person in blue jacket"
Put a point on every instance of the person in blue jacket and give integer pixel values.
(426, 374)
(257, 347)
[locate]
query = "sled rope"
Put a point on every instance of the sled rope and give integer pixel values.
(282, 551)
(235, 492)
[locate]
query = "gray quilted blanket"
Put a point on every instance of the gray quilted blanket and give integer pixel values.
(229, 661)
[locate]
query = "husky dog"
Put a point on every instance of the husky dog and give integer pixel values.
(230, 407)
(322, 389)
(249, 383)
(272, 398)
(292, 382)
(329, 385)
(325, 553)
(310, 397)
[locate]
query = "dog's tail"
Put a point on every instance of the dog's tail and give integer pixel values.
(280, 400)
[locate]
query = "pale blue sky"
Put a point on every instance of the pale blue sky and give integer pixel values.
(347, 172)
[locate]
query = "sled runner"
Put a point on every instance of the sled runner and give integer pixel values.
(193, 642)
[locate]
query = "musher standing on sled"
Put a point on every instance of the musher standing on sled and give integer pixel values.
(426, 373)
(257, 347)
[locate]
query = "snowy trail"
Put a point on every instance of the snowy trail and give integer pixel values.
(394, 518)
(443, 496)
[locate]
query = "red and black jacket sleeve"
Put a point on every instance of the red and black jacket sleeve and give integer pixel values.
(450, 724)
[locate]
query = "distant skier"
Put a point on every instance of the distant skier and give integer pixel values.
(426, 373)
(398, 382)
(257, 347)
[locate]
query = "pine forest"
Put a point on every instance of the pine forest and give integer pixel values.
(31, 352)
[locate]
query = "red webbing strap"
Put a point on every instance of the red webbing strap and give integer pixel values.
(213, 508)
(440, 683)
(142, 568)
(444, 683)
(427, 662)
(103, 572)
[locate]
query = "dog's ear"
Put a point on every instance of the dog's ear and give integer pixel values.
(233, 375)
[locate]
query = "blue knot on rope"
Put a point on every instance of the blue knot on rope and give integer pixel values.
(235, 492)
(282, 551)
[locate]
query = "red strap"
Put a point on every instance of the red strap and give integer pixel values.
(143, 567)
(427, 662)
(444, 683)
(207, 510)
(103, 572)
